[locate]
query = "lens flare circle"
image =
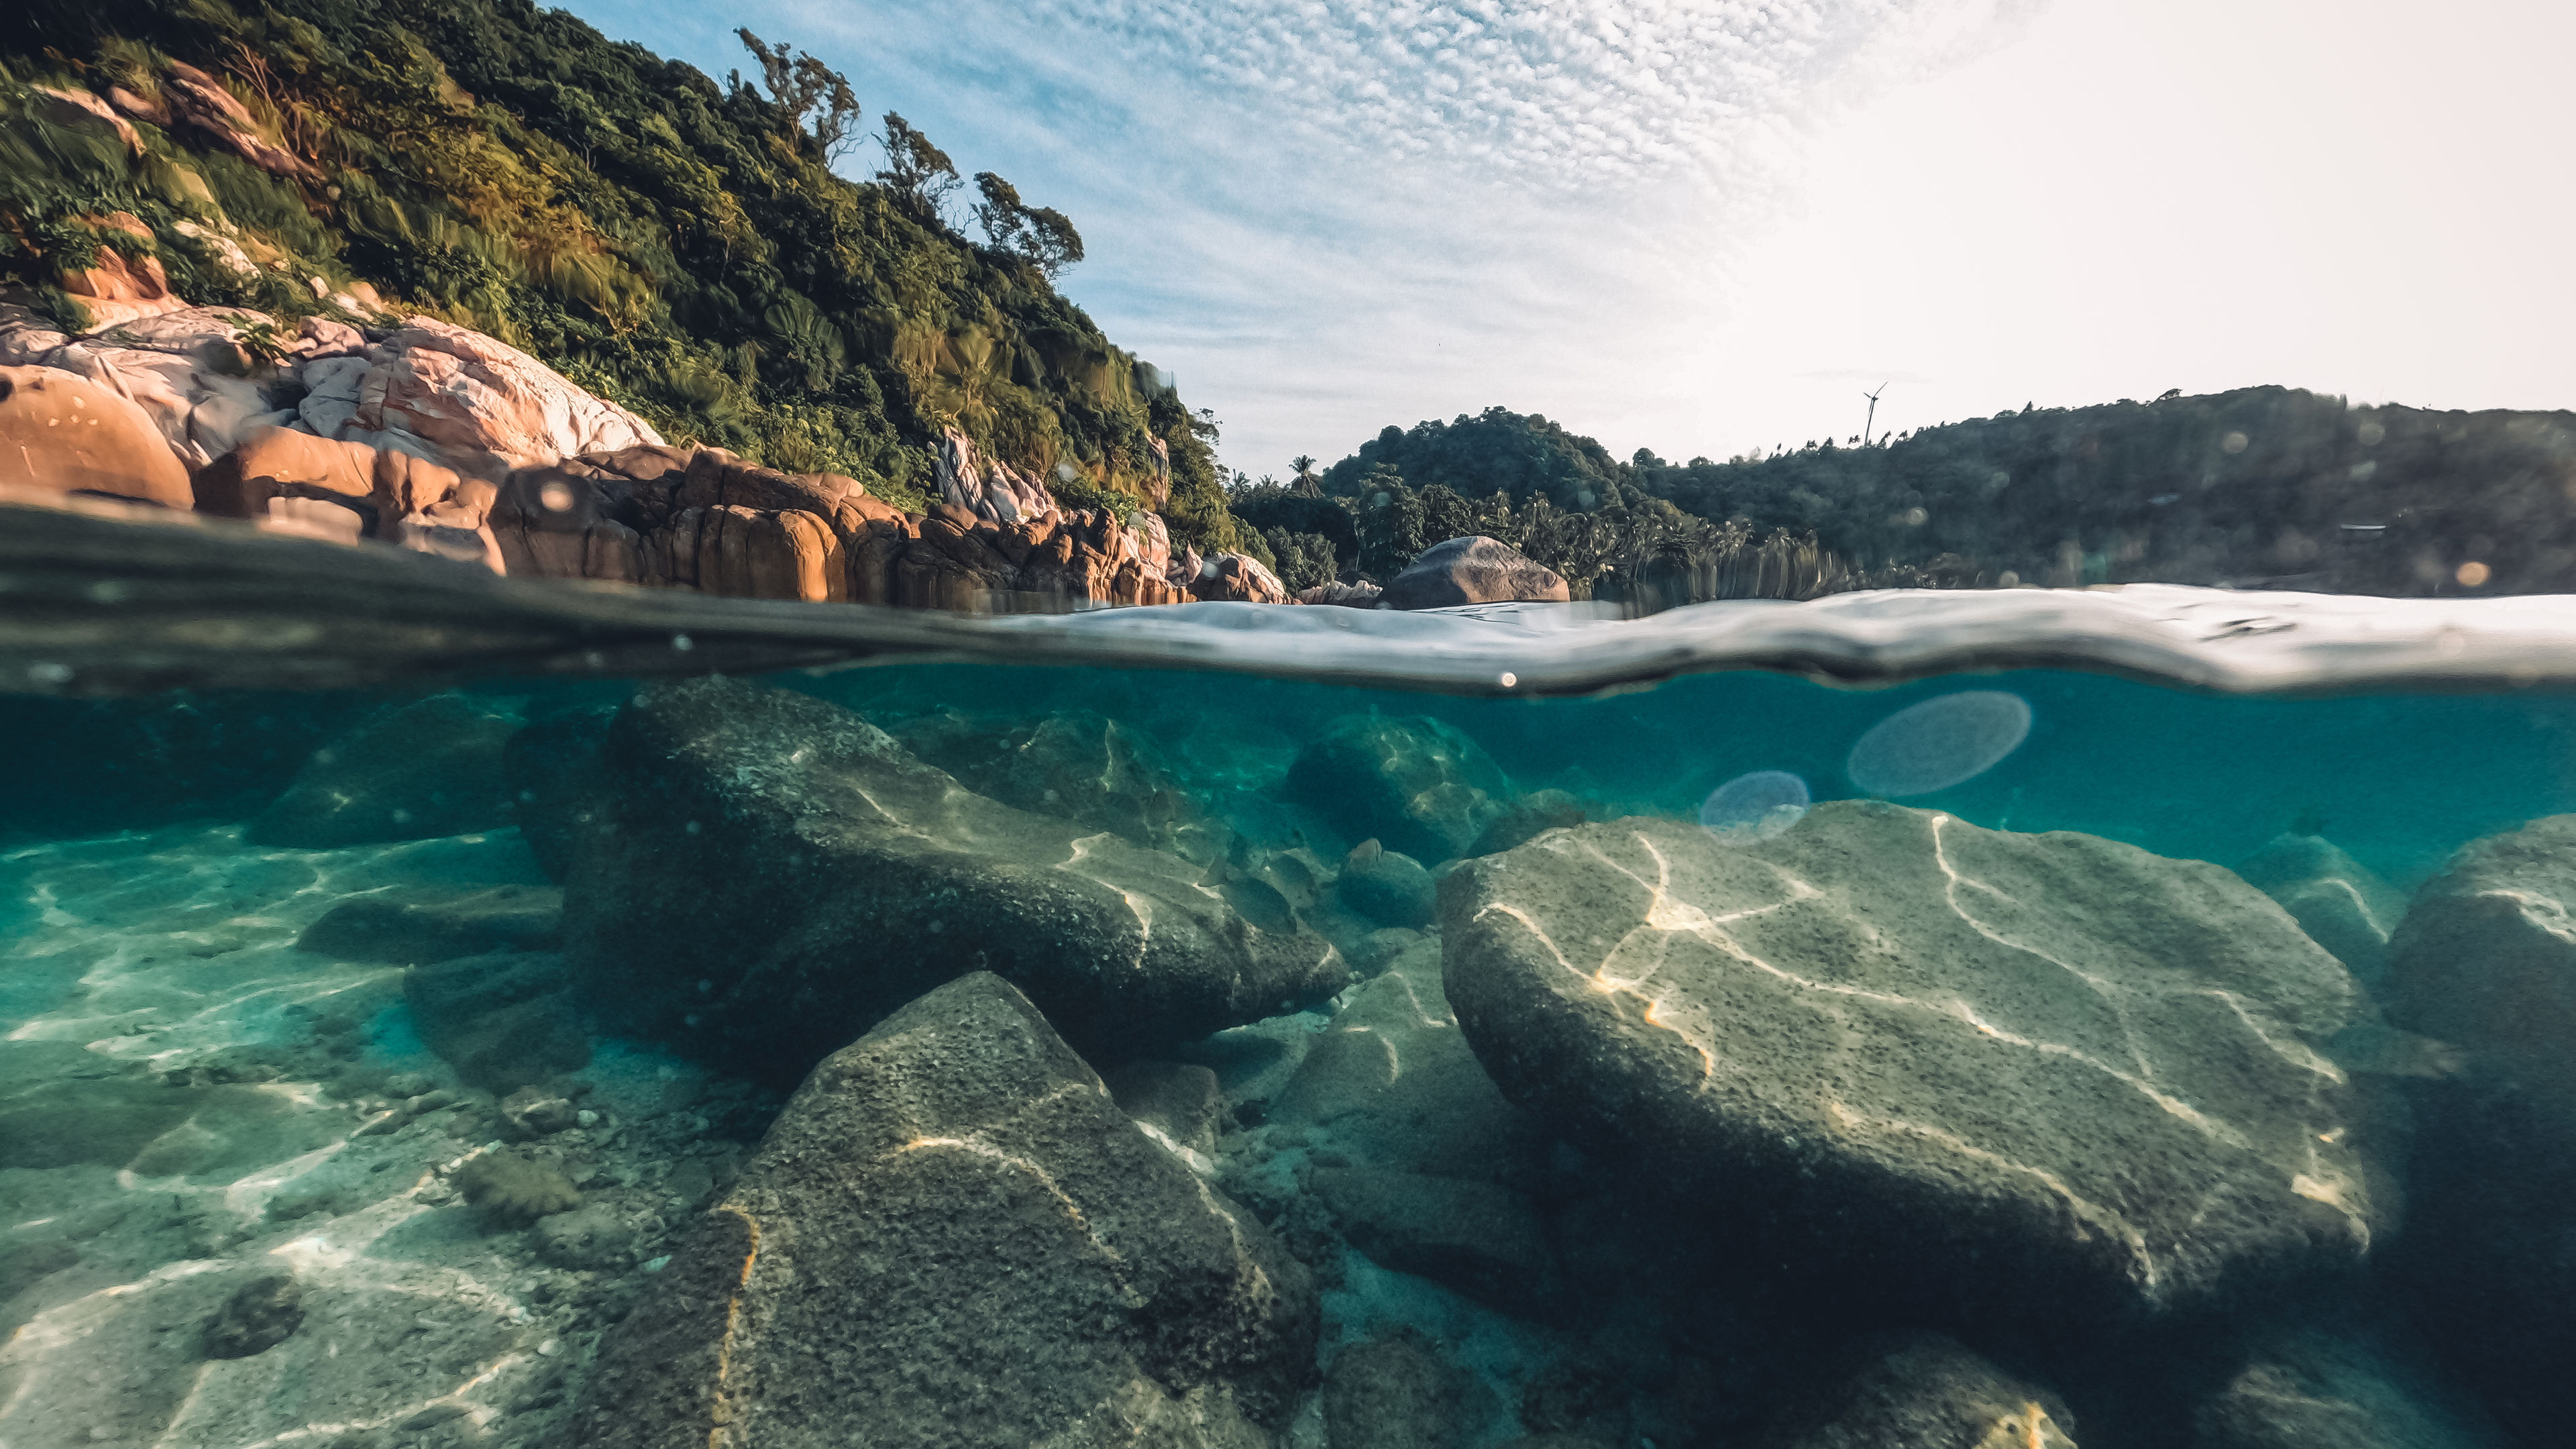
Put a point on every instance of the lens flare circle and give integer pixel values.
(1754, 807)
(1938, 743)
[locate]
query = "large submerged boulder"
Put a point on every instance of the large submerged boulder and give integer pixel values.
(953, 1236)
(771, 874)
(2486, 958)
(1416, 785)
(2037, 1076)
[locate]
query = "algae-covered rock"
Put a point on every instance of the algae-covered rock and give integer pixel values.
(2031, 1075)
(1079, 765)
(1386, 886)
(584, 1238)
(1396, 1392)
(420, 770)
(2486, 958)
(262, 1314)
(1930, 1393)
(425, 924)
(1417, 785)
(781, 875)
(514, 1190)
(952, 1236)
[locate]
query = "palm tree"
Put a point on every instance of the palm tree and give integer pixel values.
(1306, 481)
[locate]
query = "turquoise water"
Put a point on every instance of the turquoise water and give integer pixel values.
(386, 1068)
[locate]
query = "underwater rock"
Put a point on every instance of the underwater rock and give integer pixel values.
(1482, 1240)
(503, 1020)
(586, 1238)
(1386, 886)
(532, 1112)
(781, 874)
(1392, 1083)
(1416, 784)
(513, 1190)
(62, 1104)
(2486, 958)
(1527, 818)
(953, 1237)
(1930, 1394)
(1394, 1392)
(1177, 1101)
(2308, 1389)
(2337, 900)
(1079, 765)
(260, 1315)
(426, 924)
(421, 770)
(2044, 1076)
(1473, 570)
(558, 786)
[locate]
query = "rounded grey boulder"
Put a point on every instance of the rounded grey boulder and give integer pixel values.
(1473, 570)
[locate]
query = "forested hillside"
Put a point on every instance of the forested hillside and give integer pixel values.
(2259, 486)
(676, 243)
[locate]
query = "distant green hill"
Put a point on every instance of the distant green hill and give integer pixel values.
(678, 244)
(2263, 485)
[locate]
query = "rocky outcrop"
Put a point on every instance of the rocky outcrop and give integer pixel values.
(116, 287)
(295, 482)
(952, 1236)
(988, 488)
(1240, 578)
(479, 405)
(879, 877)
(2044, 1076)
(63, 433)
(1418, 785)
(192, 98)
(1472, 570)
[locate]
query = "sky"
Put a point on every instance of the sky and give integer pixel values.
(1708, 228)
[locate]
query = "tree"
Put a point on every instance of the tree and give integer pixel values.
(1307, 483)
(1040, 233)
(803, 86)
(919, 173)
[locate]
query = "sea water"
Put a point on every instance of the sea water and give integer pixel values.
(238, 1196)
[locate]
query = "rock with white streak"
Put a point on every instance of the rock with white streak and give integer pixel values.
(479, 405)
(953, 1236)
(2047, 1077)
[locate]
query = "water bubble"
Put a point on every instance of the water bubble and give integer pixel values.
(1938, 743)
(1754, 807)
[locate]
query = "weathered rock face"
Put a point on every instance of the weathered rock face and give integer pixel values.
(2043, 1075)
(114, 287)
(293, 481)
(953, 1237)
(2337, 900)
(880, 877)
(988, 488)
(1238, 577)
(426, 769)
(1472, 570)
(479, 405)
(2486, 958)
(1417, 785)
(61, 433)
(1931, 1394)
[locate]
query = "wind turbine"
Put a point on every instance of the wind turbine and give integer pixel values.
(1873, 414)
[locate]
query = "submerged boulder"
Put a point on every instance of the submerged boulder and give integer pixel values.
(1929, 1393)
(2486, 958)
(2342, 904)
(1473, 570)
(1079, 765)
(2044, 1076)
(774, 875)
(952, 1236)
(413, 772)
(1418, 785)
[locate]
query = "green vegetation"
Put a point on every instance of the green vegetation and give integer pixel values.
(680, 246)
(2261, 485)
